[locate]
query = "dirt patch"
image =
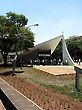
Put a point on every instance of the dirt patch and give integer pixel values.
(56, 70)
(1, 106)
(46, 98)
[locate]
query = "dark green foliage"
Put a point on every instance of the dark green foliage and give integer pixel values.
(14, 35)
(74, 45)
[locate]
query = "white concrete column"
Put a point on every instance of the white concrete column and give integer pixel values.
(66, 56)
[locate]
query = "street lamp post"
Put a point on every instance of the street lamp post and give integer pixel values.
(15, 59)
(14, 62)
(33, 25)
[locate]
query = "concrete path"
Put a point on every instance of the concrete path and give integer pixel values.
(19, 101)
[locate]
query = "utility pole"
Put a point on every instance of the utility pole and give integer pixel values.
(15, 59)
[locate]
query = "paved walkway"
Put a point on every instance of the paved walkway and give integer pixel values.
(57, 70)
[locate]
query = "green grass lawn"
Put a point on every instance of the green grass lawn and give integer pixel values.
(64, 84)
(68, 90)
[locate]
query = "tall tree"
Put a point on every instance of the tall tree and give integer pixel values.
(74, 44)
(14, 32)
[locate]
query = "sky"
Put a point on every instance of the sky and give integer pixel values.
(53, 16)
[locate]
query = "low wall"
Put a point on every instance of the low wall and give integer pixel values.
(6, 102)
(14, 100)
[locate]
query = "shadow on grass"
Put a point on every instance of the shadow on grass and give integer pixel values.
(19, 71)
(6, 73)
(10, 73)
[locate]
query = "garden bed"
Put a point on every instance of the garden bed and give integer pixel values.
(46, 97)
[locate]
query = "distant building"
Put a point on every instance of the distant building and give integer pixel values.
(41, 53)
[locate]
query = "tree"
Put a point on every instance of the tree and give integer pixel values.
(26, 38)
(13, 32)
(74, 45)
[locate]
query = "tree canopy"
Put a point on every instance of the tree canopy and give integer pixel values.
(74, 45)
(14, 34)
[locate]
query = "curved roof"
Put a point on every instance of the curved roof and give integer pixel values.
(47, 45)
(52, 44)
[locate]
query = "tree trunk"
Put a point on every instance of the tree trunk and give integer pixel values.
(5, 59)
(4, 55)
